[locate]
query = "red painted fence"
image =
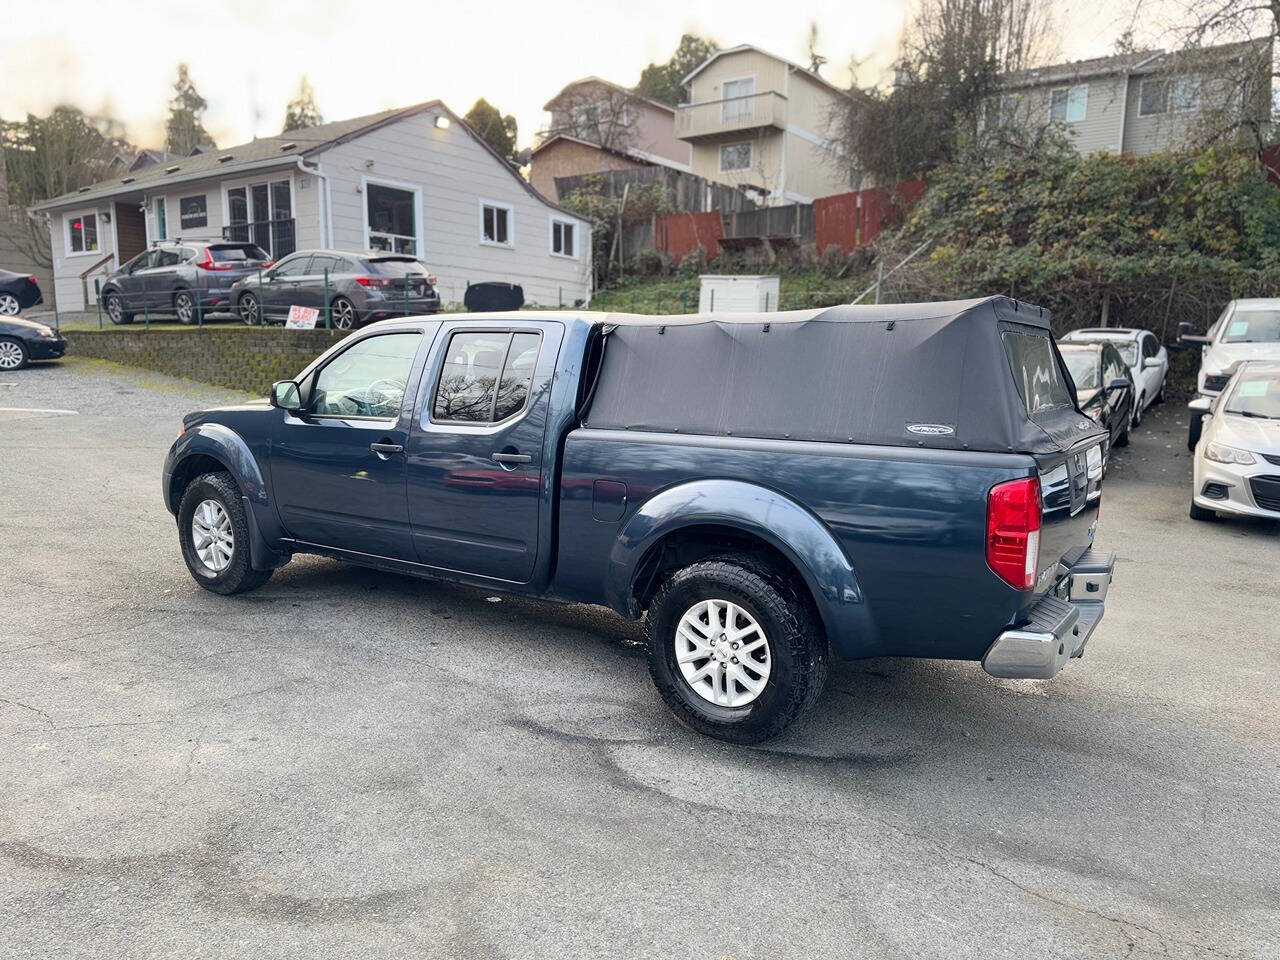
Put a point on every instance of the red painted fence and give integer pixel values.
(849, 220)
(679, 234)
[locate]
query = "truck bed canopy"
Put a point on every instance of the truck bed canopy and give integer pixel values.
(922, 374)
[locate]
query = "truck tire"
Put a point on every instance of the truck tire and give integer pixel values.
(728, 684)
(214, 533)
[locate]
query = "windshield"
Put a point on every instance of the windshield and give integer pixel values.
(1084, 366)
(1256, 395)
(387, 267)
(1253, 326)
(1036, 371)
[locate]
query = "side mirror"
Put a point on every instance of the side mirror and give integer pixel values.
(1187, 334)
(1201, 405)
(286, 396)
(1119, 384)
(1150, 362)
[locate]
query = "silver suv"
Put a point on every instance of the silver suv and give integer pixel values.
(181, 278)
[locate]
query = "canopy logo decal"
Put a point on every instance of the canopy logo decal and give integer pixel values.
(931, 429)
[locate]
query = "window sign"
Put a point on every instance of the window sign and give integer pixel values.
(193, 212)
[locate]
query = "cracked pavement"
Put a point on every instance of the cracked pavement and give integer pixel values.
(352, 764)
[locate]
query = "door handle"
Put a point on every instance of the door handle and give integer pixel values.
(384, 449)
(511, 458)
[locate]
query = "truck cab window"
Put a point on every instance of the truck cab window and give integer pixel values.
(367, 379)
(477, 362)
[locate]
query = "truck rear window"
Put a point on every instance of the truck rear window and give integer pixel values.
(1036, 371)
(238, 253)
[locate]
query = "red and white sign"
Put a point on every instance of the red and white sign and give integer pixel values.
(301, 318)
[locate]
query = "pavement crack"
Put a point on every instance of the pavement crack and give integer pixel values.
(26, 706)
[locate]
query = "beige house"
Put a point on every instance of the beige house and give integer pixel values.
(1141, 102)
(757, 120)
(597, 126)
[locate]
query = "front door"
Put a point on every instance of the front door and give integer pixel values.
(475, 458)
(338, 467)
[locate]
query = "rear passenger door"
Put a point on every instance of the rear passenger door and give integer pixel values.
(475, 457)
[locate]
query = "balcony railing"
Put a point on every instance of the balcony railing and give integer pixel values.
(714, 117)
(278, 237)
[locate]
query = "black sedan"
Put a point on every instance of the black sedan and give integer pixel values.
(1103, 388)
(18, 291)
(22, 341)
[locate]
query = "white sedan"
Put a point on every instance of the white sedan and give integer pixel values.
(1237, 459)
(1143, 354)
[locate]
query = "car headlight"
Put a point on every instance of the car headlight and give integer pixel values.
(45, 331)
(1093, 461)
(1221, 453)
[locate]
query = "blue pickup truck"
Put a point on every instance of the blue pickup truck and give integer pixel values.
(767, 492)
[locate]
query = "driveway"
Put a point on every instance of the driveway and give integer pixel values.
(352, 764)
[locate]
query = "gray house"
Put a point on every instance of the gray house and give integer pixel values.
(1140, 102)
(414, 180)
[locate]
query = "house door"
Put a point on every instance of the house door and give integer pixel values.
(131, 231)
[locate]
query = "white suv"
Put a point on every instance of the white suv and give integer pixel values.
(1246, 330)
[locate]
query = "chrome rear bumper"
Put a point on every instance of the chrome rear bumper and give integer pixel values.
(1059, 626)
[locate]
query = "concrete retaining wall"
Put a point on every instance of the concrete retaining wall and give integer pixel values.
(243, 358)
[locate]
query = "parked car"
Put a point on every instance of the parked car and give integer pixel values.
(22, 341)
(762, 523)
(1103, 388)
(180, 278)
(18, 292)
(1245, 330)
(1237, 458)
(1145, 357)
(361, 288)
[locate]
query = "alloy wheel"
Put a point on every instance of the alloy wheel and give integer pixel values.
(722, 652)
(115, 309)
(249, 310)
(344, 315)
(185, 307)
(10, 355)
(9, 305)
(212, 535)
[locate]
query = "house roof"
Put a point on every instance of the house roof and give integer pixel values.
(1133, 62)
(280, 150)
(665, 107)
(639, 156)
(747, 46)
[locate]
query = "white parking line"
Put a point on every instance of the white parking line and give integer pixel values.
(74, 413)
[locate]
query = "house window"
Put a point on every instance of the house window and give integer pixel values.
(391, 216)
(82, 233)
(735, 156)
(495, 223)
(1161, 95)
(1069, 104)
(162, 227)
(738, 103)
(564, 241)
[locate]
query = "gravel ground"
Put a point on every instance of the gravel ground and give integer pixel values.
(351, 764)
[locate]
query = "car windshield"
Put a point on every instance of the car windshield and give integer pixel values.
(1256, 395)
(1253, 326)
(397, 267)
(238, 253)
(1084, 367)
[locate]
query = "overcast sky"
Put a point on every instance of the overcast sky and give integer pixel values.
(246, 56)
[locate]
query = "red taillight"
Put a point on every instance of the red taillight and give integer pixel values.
(33, 279)
(1013, 531)
(431, 280)
(208, 263)
(373, 281)
(265, 264)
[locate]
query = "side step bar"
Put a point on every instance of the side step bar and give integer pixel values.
(1058, 627)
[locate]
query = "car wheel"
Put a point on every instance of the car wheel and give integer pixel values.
(184, 305)
(116, 312)
(13, 354)
(1200, 513)
(1123, 439)
(735, 648)
(1137, 414)
(343, 313)
(249, 310)
(1194, 429)
(9, 305)
(214, 533)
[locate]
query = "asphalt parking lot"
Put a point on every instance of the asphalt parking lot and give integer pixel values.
(352, 764)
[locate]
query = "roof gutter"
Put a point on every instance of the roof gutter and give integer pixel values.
(217, 173)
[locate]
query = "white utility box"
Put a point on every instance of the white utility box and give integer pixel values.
(737, 294)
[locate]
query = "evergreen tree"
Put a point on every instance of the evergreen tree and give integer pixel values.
(664, 81)
(494, 128)
(302, 111)
(185, 130)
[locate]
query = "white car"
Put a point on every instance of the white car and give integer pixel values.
(1237, 461)
(1246, 330)
(1143, 354)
